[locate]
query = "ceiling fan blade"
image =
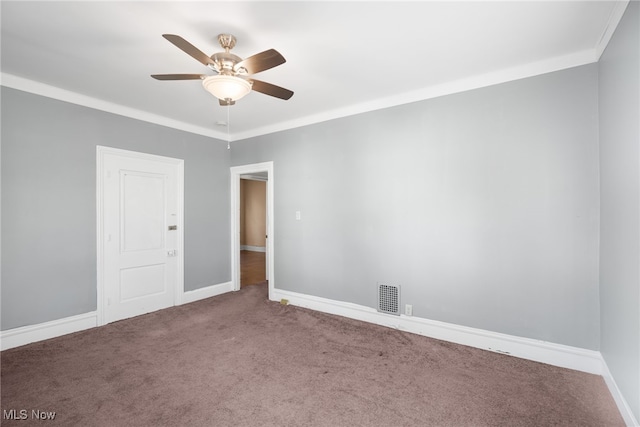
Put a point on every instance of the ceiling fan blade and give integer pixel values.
(178, 76)
(271, 89)
(188, 48)
(261, 61)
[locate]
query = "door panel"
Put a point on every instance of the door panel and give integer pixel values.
(142, 281)
(142, 200)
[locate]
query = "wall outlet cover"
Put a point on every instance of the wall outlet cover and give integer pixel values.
(408, 310)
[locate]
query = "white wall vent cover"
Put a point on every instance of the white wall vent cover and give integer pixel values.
(389, 299)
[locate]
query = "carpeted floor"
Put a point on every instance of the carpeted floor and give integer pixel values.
(240, 360)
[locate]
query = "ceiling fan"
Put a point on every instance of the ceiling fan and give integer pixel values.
(234, 75)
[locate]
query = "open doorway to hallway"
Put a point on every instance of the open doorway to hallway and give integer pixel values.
(264, 169)
(253, 229)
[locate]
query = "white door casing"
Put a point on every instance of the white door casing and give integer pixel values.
(266, 218)
(140, 233)
(236, 172)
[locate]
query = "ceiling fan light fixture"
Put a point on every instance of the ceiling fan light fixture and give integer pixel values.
(226, 87)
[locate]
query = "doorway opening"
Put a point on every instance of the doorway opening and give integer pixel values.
(257, 172)
(253, 229)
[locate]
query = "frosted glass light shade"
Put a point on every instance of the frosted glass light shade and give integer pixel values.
(226, 87)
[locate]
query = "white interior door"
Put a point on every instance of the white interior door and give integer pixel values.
(141, 237)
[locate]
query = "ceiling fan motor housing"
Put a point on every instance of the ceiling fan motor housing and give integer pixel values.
(223, 62)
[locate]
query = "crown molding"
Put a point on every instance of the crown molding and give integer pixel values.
(42, 89)
(421, 94)
(612, 23)
(449, 88)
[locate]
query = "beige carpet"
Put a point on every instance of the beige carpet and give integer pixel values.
(240, 360)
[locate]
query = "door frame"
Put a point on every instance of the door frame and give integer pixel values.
(101, 152)
(236, 172)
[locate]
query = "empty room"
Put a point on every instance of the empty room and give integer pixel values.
(323, 213)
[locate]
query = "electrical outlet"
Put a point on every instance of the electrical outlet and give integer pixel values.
(408, 310)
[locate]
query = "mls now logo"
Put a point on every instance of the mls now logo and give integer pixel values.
(23, 414)
(14, 414)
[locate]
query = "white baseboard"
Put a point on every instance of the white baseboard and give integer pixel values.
(629, 419)
(207, 292)
(253, 248)
(27, 334)
(579, 359)
(540, 351)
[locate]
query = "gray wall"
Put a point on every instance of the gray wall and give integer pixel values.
(49, 203)
(619, 95)
(483, 206)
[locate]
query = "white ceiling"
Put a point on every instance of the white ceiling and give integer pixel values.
(342, 57)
